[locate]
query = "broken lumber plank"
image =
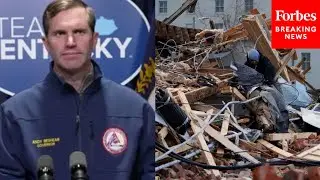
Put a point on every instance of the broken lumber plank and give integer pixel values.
(311, 157)
(307, 70)
(285, 61)
(309, 151)
(257, 34)
(281, 136)
(316, 153)
(300, 79)
(274, 148)
(226, 90)
(225, 123)
(300, 63)
(224, 129)
(264, 25)
(181, 149)
(238, 94)
(285, 145)
(200, 93)
(162, 134)
(226, 142)
(208, 156)
(243, 120)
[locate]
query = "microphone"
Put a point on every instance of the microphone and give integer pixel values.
(45, 168)
(78, 166)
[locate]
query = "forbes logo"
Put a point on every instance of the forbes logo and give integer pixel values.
(106, 27)
(281, 15)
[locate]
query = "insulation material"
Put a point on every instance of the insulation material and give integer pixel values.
(296, 94)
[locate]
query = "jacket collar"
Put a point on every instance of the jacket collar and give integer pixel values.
(53, 79)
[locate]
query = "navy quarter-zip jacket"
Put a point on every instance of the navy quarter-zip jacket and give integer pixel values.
(111, 124)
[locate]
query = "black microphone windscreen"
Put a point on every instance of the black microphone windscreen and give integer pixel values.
(45, 161)
(77, 158)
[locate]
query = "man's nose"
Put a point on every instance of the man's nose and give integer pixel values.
(71, 42)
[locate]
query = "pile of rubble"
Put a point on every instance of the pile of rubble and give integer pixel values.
(202, 117)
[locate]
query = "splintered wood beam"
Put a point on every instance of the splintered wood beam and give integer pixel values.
(258, 35)
(285, 61)
(208, 156)
(274, 148)
(238, 94)
(162, 135)
(300, 63)
(227, 143)
(200, 93)
(264, 25)
(311, 154)
(307, 70)
(287, 136)
(224, 129)
(300, 79)
(256, 11)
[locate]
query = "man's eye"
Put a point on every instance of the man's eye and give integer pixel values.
(80, 32)
(59, 34)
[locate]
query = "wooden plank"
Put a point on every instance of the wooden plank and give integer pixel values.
(281, 136)
(208, 156)
(200, 93)
(258, 36)
(243, 120)
(285, 145)
(306, 152)
(285, 61)
(181, 149)
(311, 157)
(274, 148)
(264, 25)
(224, 129)
(307, 70)
(300, 79)
(317, 152)
(300, 63)
(238, 94)
(162, 135)
(225, 123)
(163, 132)
(227, 143)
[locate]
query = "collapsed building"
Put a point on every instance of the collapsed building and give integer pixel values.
(201, 111)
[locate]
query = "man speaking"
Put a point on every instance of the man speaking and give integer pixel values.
(75, 109)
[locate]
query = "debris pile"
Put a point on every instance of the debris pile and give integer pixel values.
(209, 127)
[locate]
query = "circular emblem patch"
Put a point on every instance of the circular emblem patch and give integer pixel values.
(114, 140)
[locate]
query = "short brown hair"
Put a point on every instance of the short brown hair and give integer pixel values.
(61, 5)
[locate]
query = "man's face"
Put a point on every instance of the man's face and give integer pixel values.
(70, 40)
(253, 62)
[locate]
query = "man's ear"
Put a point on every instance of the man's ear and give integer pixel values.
(45, 42)
(95, 39)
